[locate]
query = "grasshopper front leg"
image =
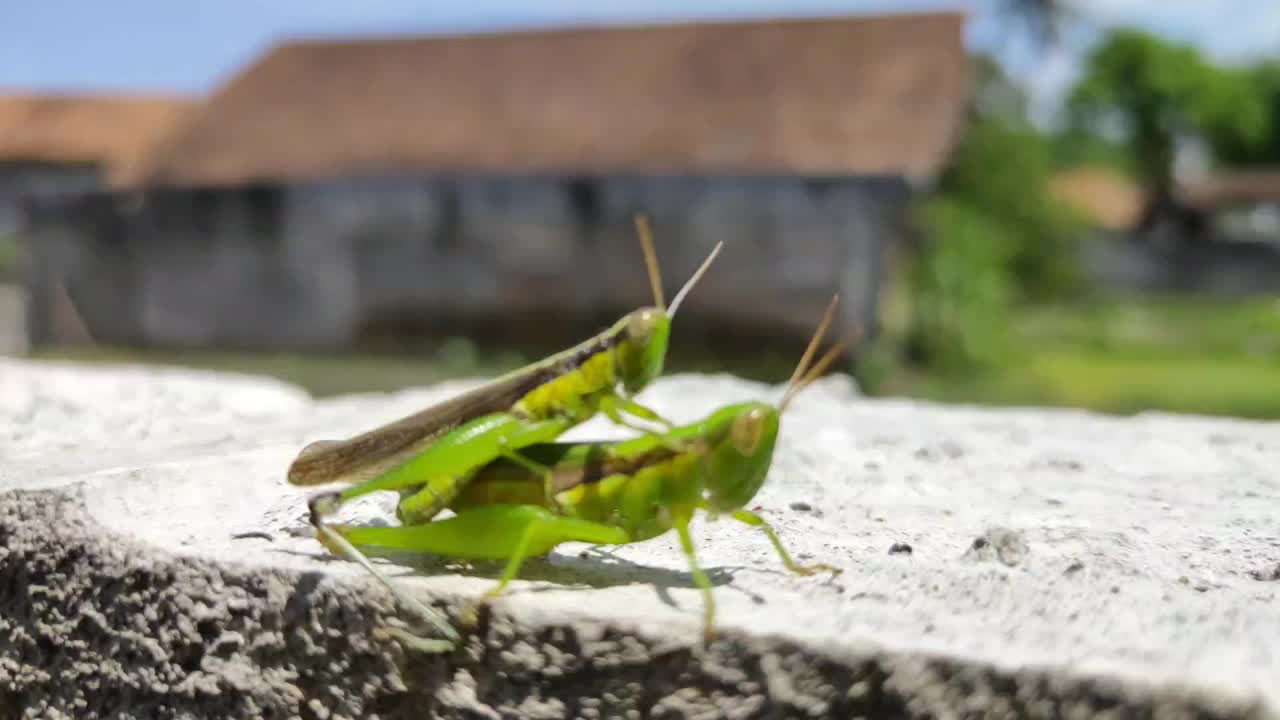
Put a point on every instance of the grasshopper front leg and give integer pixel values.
(614, 405)
(700, 579)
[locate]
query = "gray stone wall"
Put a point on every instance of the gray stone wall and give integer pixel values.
(44, 179)
(19, 180)
(318, 264)
(1221, 267)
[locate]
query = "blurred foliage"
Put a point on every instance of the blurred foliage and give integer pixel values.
(995, 95)
(1253, 141)
(994, 242)
(991, 236)
(1153, 94)
(961, 288)
(1001, 170)
(1074, 147)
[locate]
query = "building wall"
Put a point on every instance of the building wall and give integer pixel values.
(331, 264)
(47, 179)
(1223, 269)
(19, 180)
(1188, 251)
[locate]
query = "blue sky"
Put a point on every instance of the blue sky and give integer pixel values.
(177, 46)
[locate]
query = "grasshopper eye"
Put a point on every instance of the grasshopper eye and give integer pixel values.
(641, 324)
(747, 430)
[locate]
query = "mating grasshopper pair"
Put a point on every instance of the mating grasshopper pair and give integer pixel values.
(490, 457)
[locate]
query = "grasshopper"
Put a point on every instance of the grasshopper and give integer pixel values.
(428, 456)
(614, 493)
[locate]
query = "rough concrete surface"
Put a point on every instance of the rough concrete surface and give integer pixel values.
(996, 562)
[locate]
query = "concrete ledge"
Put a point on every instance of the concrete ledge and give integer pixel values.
(98, 626)
(1060, 564)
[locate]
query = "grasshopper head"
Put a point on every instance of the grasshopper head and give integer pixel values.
(739, 461)
(643, 347)
(743, 436)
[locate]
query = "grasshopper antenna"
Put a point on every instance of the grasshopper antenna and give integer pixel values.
(815, 340)
(828, 358)
(817, 370)
(803, 370)
(697, 275)
(650, 259)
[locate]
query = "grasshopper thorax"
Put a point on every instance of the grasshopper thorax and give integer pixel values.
(740, 455)
(643, 347)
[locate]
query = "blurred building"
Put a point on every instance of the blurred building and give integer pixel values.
(65, 145)
(337, 188)
(1218, 234)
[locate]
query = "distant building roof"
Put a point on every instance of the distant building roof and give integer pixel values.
(116, 131)
(1232, 187)
(1105, 197)
(873, 94)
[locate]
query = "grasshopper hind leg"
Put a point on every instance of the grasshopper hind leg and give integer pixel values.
(491, 532)
(332, 538)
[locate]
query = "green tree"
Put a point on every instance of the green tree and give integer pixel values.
(1156, 94)
(992, 236)
(1251, 137)
(961, 289)
(995, 94)
(1074, 147)
(1002, 170)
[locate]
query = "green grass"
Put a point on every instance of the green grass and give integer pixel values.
(1222, 386)
(1123, 356)
(1161, 326)
(1110, 383)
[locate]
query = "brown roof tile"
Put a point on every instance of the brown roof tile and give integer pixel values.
(1107, 198)
(1232, 187)
(871, 94)
(117, 131)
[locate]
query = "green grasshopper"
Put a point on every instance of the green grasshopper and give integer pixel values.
(428, 456)
(613, 493)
